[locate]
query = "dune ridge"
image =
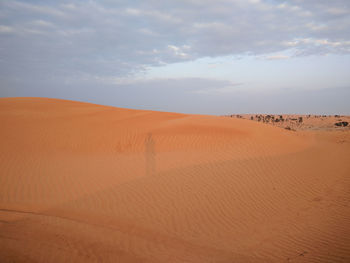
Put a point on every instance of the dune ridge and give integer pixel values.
(81, 182)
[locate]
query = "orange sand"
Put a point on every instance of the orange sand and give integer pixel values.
(88, 183)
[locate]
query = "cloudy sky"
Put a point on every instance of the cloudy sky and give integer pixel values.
(193, 56)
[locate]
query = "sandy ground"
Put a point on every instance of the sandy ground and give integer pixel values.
(88, 183)
(299, 122)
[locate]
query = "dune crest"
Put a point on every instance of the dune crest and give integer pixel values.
(81, 182)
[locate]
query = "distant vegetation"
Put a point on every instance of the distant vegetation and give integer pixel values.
(341, 124)
(298, 122)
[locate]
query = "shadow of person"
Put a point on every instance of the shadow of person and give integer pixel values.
(150, 155)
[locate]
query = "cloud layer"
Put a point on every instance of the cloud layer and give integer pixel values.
(119, 38)
(68, 48)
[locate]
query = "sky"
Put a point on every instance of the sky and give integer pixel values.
(192, 56)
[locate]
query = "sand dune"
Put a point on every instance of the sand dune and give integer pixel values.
(87, 183)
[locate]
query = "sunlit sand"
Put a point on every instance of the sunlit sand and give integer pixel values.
(87, 183)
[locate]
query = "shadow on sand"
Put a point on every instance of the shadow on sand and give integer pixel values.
(150, 155)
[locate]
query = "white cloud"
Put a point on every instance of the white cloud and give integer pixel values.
(6, 29)
(33, 8)
(43, 23)
(69, 6)
(338, 11)
(155, 14)
(133, 11)
(277, 57)
(179, 51)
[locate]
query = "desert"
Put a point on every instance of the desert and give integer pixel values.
(82, 182)
(175, 131)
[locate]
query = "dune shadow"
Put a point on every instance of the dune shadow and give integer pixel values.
(150, 155)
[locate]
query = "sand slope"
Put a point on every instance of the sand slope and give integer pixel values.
(88, 183)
